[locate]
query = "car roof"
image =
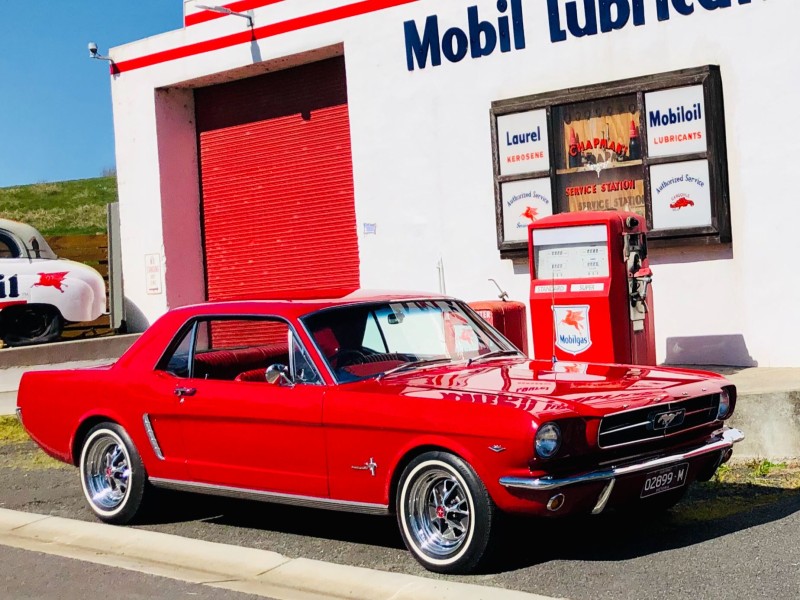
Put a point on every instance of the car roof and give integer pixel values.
(27, 233)
(302, 302)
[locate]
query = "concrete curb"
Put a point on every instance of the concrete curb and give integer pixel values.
(231, 567)
(109, 347)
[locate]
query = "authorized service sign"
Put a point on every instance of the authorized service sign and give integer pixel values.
(524, 202)
(680, 195)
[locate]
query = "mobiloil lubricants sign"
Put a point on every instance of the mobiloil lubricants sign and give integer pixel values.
(676, 122)
(482, 33)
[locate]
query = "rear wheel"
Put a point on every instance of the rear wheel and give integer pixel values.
(31, 324)
(112, 474)
(444, 513)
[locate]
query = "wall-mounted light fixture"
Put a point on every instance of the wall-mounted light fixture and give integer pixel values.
(227, 11)
(93, 53)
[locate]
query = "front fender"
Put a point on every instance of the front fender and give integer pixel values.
(73, 297)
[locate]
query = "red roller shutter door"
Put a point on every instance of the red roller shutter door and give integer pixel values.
(277, 177)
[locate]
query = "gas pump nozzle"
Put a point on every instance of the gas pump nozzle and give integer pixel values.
(638, 288)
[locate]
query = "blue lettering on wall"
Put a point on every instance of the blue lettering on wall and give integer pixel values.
(590, 17)
(481, 38)
(483, 35)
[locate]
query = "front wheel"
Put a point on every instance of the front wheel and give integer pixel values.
(444, 513)
(112, 474)
(31, 324)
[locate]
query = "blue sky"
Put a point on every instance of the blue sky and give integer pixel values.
(55, 102)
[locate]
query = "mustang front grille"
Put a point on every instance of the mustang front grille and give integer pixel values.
(659, 421)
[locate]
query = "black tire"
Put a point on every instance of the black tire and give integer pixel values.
(112, 474)
(31, 324)
(444, 513)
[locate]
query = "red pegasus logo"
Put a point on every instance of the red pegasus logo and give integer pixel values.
(573, 319)
(572, 369)
(55, 280)
(531, 213)
(681, 203)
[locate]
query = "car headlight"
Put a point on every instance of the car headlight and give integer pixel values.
(548, 440)
(724, 405)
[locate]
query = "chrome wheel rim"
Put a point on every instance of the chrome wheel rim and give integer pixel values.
(438, 512)
(107, 473)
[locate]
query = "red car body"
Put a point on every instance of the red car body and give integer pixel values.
(345, 445)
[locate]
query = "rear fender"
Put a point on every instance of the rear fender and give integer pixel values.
(85, 423)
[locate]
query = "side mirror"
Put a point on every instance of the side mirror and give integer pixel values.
(278, 375)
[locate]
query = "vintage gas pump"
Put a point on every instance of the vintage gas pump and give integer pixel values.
(507, 316)
(590, 288)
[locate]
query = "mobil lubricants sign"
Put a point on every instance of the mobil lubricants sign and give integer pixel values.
(500, 26)
(481, 36)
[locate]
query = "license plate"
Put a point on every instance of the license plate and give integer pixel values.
(665, 479)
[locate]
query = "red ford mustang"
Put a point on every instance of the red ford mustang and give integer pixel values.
(380, 404)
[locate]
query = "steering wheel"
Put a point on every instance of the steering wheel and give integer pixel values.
(347, 356)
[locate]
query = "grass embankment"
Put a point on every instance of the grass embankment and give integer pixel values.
(61, 208)
(17, 450)
(740, 487)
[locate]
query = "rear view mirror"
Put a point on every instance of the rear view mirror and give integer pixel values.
(395, 318)
(277, 374)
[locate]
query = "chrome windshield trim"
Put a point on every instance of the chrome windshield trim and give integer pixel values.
(720, 440)
(151, 435)
(276, 497)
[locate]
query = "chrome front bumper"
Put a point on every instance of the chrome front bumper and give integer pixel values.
(721, 440)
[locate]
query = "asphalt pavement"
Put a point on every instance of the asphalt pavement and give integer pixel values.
(28, 574)
(236, 568)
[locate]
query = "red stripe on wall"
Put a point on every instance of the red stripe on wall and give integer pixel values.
(265, 31)
(239, 6)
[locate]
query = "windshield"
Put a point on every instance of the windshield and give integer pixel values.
(368, 340)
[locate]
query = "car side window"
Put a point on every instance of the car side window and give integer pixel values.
(240, 349)
(8, 248)
(178, 361)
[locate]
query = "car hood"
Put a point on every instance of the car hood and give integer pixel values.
(566, 387)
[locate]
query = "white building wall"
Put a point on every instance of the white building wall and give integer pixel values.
(423, 165)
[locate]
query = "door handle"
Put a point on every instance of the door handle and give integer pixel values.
(180, 392)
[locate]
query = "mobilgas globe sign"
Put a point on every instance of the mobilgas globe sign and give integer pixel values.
(485, 32)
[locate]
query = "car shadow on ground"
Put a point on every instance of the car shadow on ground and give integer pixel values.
(709, 511)
(325, 524)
